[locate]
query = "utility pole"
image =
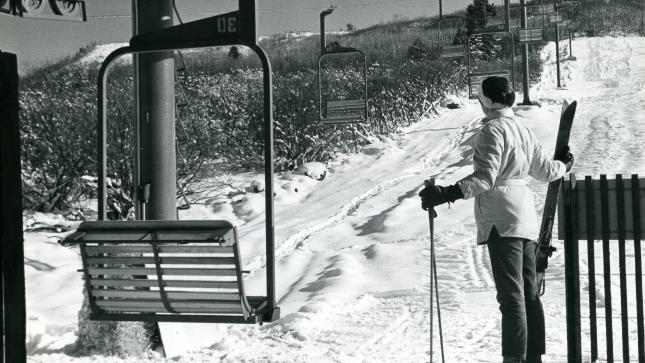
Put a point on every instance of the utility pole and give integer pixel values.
(557, 53)
(525, 57)
(507, 16)
(155, 159)
(571, 57)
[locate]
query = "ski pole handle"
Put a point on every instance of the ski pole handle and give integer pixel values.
(430, 183)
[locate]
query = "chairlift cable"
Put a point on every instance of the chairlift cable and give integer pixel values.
(271, 10)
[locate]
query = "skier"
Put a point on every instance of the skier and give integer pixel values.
(506, 152)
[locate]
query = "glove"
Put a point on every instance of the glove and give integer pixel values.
(566, 157)
(434, 195)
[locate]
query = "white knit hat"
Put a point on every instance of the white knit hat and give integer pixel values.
(487, 102)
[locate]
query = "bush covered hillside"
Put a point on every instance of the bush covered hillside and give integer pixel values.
(219, 98)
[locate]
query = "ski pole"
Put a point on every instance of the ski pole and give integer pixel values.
(436, 287)
(432, 214)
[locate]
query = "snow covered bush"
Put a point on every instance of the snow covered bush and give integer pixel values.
(314, 170)
(58, 130)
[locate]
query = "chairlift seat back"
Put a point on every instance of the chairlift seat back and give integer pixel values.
(475, 79)
(453, 51)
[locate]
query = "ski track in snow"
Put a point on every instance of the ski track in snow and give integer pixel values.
(429, 160)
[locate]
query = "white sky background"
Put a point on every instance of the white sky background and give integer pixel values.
(38, 41)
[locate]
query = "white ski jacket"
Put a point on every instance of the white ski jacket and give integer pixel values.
(505, 153)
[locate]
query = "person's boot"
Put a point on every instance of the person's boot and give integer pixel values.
(534, 358)
(513, 360)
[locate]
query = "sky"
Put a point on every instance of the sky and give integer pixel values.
(38, 41)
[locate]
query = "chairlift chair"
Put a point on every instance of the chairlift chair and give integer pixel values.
(476, 76)
(351, 109)
(179, 271)
(451, 50)
(173, 271)
(493, 24)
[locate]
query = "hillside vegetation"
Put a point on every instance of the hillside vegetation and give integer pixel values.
(219, 94)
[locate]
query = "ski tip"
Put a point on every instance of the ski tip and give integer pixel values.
(569, 104)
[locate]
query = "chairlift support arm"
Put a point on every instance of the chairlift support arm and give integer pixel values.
(323, 35)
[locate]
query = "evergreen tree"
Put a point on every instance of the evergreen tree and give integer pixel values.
(484, 46)
(477, 13)
(234, 52)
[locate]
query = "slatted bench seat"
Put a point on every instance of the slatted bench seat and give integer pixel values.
(453, 51)
(476, 78)
(345, 111)
(186, 271)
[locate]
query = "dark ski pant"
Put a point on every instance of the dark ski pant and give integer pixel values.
(513, 264)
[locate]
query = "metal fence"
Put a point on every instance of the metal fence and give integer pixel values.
(598, 217)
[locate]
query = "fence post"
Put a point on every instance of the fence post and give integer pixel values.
(620, 219)
(11, 242)
(639, 267)
(572, 271)
(604, 209)
(591, 262)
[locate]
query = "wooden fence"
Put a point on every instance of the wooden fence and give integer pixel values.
(607, 215)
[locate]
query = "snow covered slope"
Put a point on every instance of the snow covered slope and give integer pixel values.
(353, 249)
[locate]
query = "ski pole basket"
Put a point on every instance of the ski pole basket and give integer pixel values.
(175, 271)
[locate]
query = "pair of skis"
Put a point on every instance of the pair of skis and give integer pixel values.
(545, 249)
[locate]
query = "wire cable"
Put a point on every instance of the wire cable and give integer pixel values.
(271, 10)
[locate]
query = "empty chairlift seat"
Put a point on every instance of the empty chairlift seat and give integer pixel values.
(183, 271)
(345, 111)
(476, 78)
(453, 51)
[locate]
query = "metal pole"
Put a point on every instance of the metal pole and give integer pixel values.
(570, 44)
(525, 58)
(323, 35)
(268, 174)
(557, 52)
(440, 9)
(156, 98)
(139, 207)
(507, 16)
(12, 283)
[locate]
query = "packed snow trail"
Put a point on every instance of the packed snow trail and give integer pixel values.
(353, 249)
